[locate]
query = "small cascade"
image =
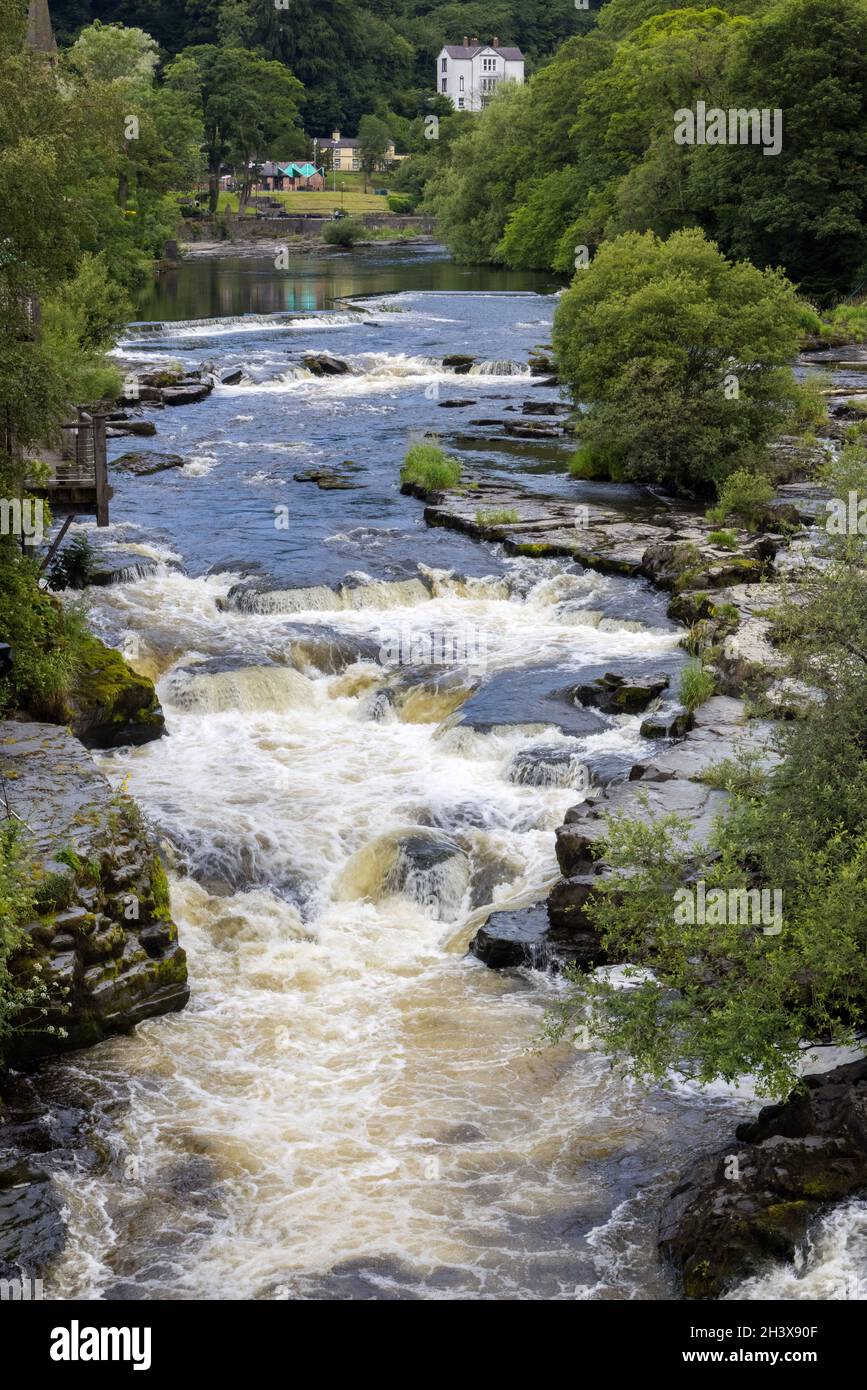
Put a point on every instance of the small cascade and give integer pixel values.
(499, 367)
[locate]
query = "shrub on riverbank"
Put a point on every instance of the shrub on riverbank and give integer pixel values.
(17, 906)
(429, 467)
(681, 357)
(46, 640)
(344, 232)
(729, 994)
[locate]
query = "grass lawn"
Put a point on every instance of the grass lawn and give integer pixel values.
(353, 201)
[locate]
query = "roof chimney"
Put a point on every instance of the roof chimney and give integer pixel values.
(335, 135)
(475, 39)
(466, 42)
(495, 42)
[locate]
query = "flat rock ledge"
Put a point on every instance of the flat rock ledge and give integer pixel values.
(102, 941)
(736, 1212)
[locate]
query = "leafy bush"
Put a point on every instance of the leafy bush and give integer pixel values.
(344, 232)
(401, 203)
(45, 640)
(73, 567)
(428, 467)
(696, 685)
(681, 358)
(744, 495)
(17, 906)
(727, 998)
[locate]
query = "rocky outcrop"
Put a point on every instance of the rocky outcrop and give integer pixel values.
(616, 694)
(529, 937)
(323, 364)
(143, 464)
(110, 704)
(102, 941)
(736, 1211)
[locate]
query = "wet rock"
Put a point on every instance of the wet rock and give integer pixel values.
(32, 1228)
(99, 886)
(669, 722)
(233, 377)
(456, 404)
(616, 694)
(142, 465)
(546, 408)
(110, 704)
(531, 937)
(121, 428)
(323, 364)
(542, 365)
(187, 393)
(737, 1211)
(532, 429)
(119, 567)
(459, 363)
(327, 479)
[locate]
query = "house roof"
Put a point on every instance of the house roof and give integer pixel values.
(304, 171)
(455, 50)
(344, 140)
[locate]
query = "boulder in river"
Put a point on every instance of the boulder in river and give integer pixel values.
(615, 694)
(187, 393)
(737, 1211)
(323, 364)
(119, 429)
(459, 363)
(143, 464)
(110, 704)
(528, 936)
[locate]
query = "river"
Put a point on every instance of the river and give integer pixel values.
(350, 1106)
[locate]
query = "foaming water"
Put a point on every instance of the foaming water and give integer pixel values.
(350, 1107)
(348, 1097)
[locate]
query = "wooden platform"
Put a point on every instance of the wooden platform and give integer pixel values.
(78, 485)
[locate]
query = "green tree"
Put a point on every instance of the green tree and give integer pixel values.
(112, 53)
(374, 138)
(249, 109)
(680, 356)
(804, 209)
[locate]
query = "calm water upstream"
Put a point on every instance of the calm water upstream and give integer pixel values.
(351, 1106)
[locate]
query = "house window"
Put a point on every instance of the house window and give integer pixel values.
(489, 65)
(445, 84)
(336, 162)
(460, 103)
(462, 84)
(445, 65)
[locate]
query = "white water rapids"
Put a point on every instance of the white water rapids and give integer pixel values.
(350, 1106)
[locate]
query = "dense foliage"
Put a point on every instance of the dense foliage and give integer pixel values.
(586, 149)
(725, 998)
(354, 57)
(680, 356)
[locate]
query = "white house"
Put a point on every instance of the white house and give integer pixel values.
(470, 73)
